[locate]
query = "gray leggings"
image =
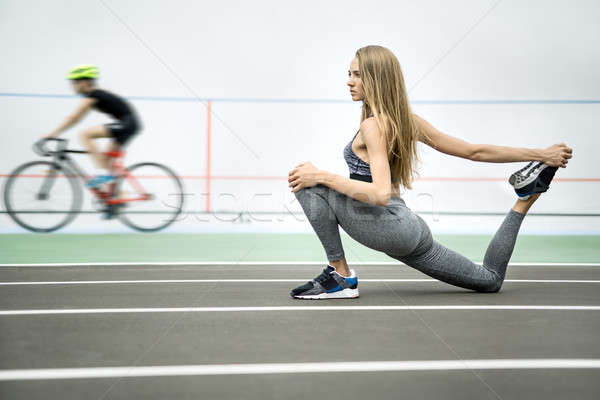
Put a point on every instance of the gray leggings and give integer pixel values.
(403, 235)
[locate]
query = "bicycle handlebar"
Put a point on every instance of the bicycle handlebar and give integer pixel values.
(39, 147)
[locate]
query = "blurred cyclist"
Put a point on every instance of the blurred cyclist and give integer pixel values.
(83, 79)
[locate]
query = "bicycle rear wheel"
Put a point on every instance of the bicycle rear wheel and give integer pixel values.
(41, 196)
(164, 193)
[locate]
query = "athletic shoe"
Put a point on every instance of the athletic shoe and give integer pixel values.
(99, 180)
(533, 178)
(328, 285)
(112, 210)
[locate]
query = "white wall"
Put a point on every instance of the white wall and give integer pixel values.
(449, 50)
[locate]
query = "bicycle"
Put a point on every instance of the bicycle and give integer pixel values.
(58, 183)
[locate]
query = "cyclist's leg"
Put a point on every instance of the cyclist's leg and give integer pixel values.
(123, 130)
(120, 132)
(87, 140)
(114, 145)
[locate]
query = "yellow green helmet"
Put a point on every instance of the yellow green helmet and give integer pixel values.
(83, 72)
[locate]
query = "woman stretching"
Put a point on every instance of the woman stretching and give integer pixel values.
(381, 157)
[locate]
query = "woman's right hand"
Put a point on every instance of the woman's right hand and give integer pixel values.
(558, 155)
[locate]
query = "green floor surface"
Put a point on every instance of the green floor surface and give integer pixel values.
(72, 248)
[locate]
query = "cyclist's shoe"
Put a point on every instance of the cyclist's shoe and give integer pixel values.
(328, 285)
(533, 178)
(100, 180)
(111, 211)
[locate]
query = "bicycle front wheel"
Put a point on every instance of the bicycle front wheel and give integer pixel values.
(150, 197)
(41, 196)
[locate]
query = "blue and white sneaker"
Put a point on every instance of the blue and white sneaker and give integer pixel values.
(100, 180)
(531, 179)
(328, 285)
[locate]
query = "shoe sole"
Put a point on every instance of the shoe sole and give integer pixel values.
(341, 294)
(540, 184)
(528, 178)
(512, 179)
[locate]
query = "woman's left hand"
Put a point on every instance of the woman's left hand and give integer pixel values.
(303, 176)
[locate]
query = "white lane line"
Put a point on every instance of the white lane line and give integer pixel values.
(296, 368)
(259, 263)
(286, 308)
(154, 281)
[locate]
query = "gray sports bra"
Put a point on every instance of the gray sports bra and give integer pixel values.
(358, 168)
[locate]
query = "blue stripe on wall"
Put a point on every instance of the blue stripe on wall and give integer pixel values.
(321, 101)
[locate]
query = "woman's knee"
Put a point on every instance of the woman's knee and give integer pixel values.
(492, 286)
(315, 202)
(307, 193)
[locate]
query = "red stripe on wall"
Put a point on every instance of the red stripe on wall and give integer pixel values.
(208, 177)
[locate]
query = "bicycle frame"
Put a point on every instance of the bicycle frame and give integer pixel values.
(62, 158)
(118, 169)
(112, 196)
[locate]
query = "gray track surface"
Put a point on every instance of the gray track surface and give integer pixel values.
(150, 339)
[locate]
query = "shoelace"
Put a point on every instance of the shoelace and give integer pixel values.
(537, 169)
(323, 276)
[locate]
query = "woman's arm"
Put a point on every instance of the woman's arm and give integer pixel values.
(380, 190)
(476, 152)
(358, 190)
(79, 112)
(377, 192)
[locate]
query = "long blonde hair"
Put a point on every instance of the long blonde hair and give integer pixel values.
(386, 100)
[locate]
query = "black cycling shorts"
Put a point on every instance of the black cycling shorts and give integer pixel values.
(124, 129)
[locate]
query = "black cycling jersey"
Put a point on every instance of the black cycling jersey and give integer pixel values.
(110, 103)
